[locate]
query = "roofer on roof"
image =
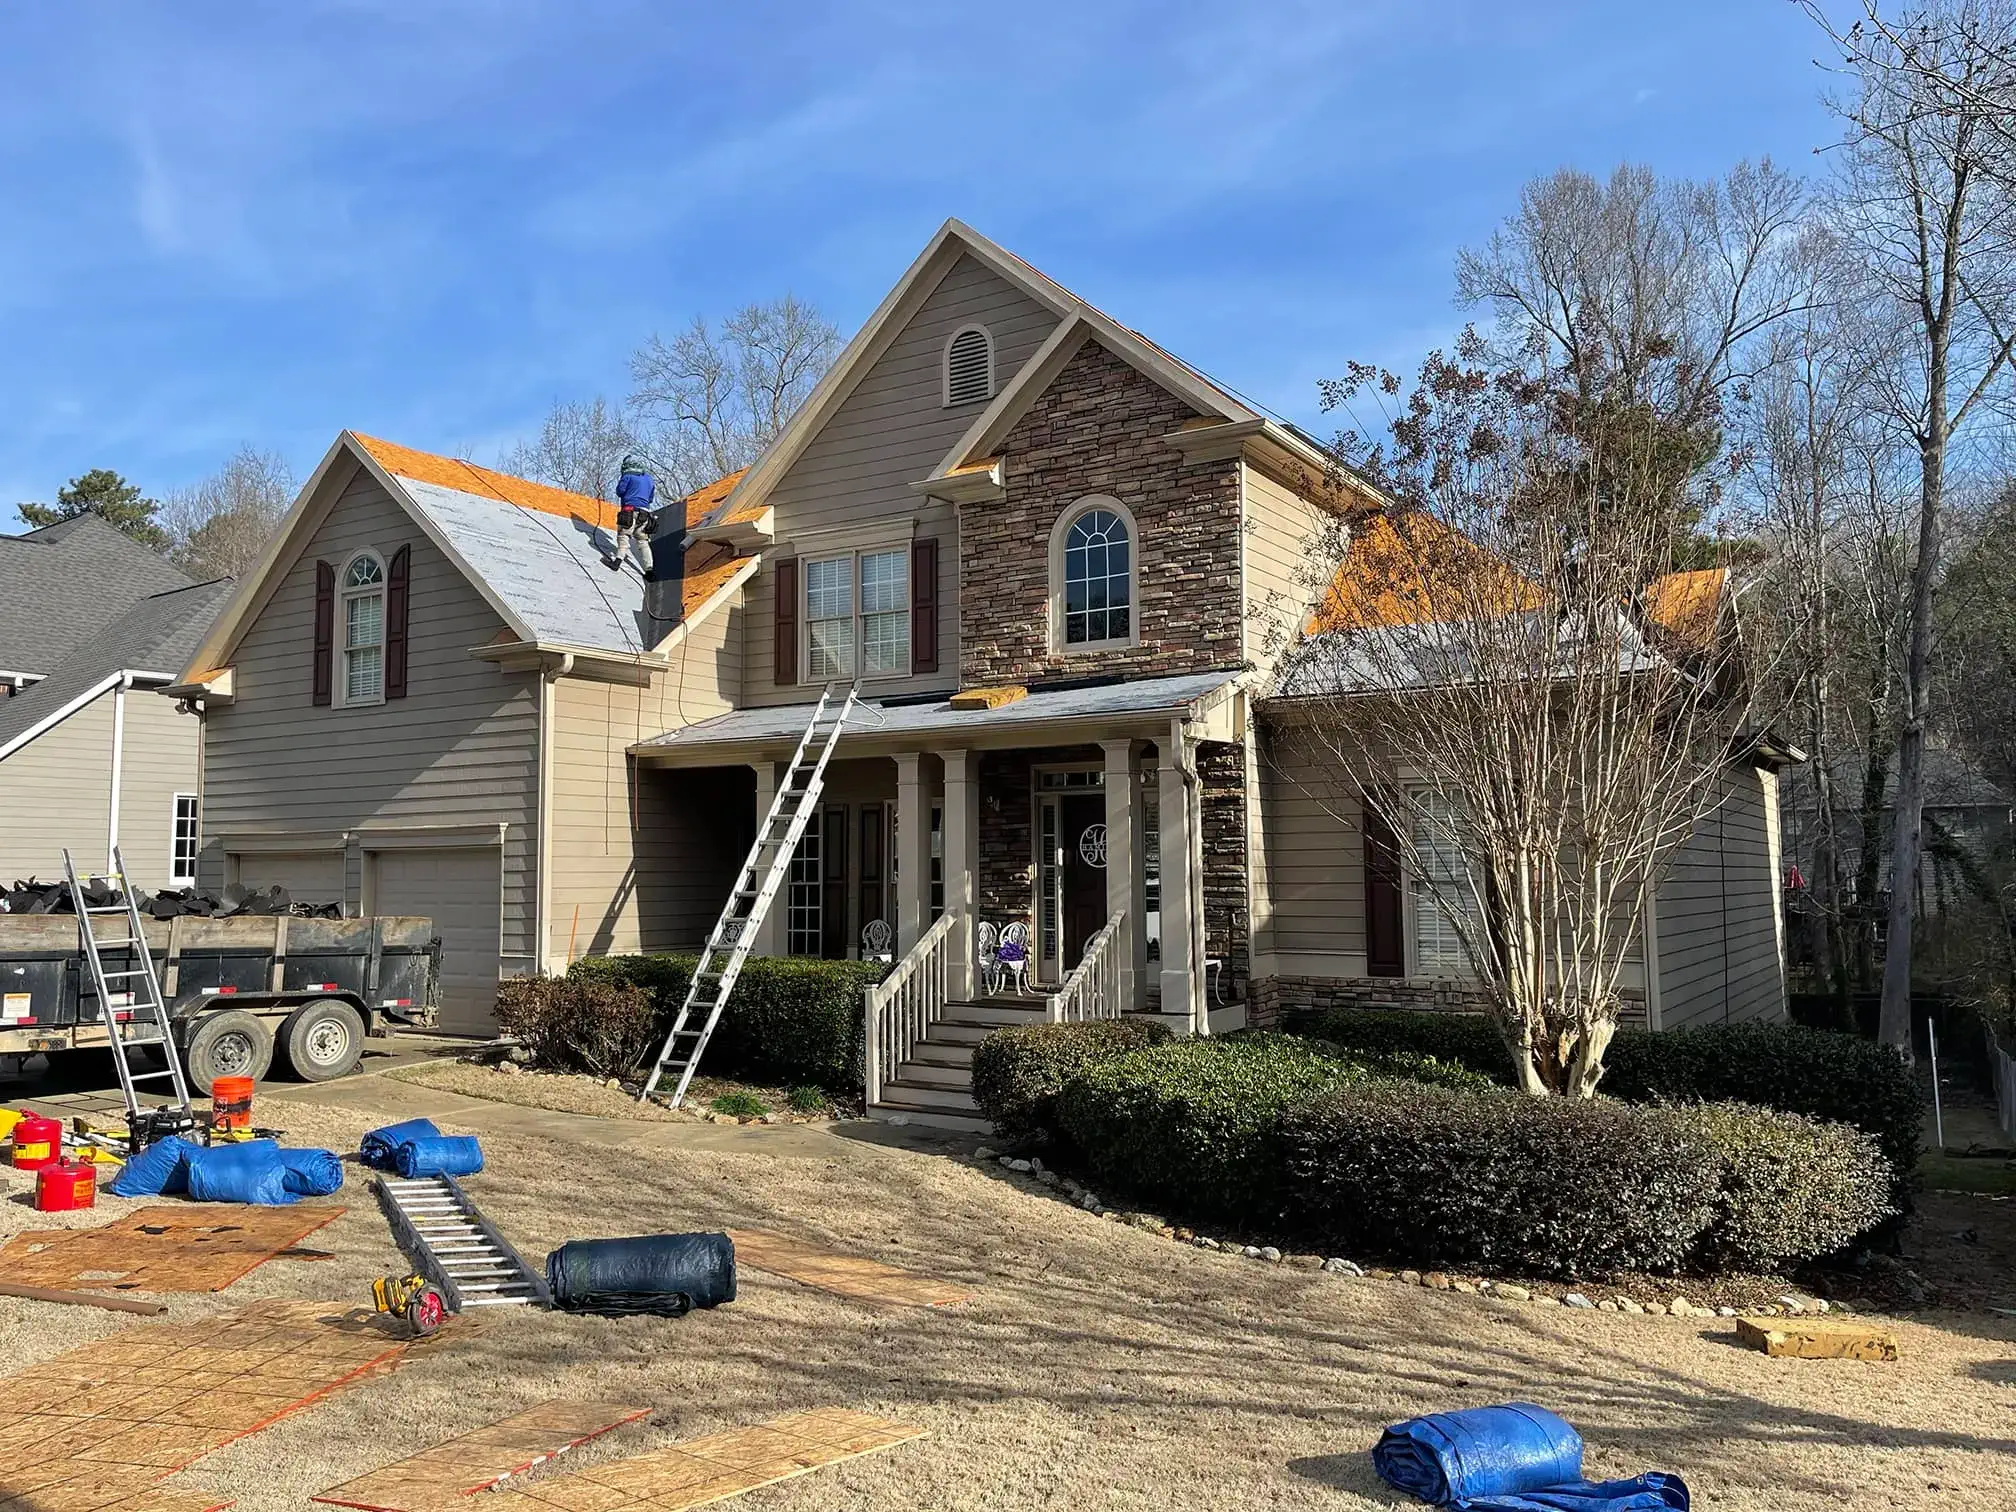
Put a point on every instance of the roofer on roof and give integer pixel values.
(635, 491)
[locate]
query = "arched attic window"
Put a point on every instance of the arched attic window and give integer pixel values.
(969, 366)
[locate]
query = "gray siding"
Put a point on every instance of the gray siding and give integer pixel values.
(461, 748)
(891, 431)
(1720, 951)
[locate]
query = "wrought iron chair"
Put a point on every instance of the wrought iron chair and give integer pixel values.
(877, 941)
(986, 939)
(1012, 955)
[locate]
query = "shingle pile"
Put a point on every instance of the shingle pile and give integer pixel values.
(37, 897)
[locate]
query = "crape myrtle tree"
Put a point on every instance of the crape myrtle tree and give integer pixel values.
(1532, 713)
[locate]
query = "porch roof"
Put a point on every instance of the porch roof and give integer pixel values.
(1140, 706)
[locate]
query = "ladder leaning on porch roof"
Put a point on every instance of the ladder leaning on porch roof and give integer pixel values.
(756, 887)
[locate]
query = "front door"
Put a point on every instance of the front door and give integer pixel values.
(1083, 881)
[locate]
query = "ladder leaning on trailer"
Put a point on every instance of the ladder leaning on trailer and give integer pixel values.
(756, 887)
(135, 1013)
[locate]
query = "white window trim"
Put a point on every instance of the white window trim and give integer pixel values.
(854, 556)
(179, 878)
(340, 639)
(1058, 535)
(945, 368)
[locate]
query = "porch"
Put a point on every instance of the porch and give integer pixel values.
(1077, 835)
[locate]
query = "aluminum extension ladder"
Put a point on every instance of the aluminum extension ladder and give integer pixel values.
(138, 999)
(456, 1247)
(756, 887)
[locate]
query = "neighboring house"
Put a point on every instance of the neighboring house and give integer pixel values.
(435, 691)
(92, 624)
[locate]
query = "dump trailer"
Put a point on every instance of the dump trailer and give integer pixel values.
(240, 991)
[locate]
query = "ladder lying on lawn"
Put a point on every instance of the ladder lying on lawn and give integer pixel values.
(762, 875)
(135, 1013)
(456, 1247)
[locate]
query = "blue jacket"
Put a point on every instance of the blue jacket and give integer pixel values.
(636, 490)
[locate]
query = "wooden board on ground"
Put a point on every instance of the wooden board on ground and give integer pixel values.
(1817, 1338)
(93, 1429)
(194, 1247)
(709, 1469)
(436, 1477)
(843, 1275)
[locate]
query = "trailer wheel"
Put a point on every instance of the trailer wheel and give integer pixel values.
(322, 1041)
(230, 1043)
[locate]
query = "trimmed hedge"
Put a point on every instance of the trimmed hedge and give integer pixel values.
(787, 1020)
(1497, 1180)
(1192, 1121)
(1017, 1073)
(1817, 1073)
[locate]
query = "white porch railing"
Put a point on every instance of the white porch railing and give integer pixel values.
(902, 1007)
(2002, 1066)
(1103, 983)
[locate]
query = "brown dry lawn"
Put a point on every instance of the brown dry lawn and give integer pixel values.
(1098, 1367)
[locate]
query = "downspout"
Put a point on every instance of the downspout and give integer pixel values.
(118, 769)
(542, 850)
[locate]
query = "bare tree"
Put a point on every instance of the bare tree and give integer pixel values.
(714, 398)
(1532, 716)
(222, 525)
(1924, 198)
(580, 447)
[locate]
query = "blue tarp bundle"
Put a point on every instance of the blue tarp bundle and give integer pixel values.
(381, 1146)
(1514, 1458)
(669, 1274)
(439, 1155)
(257, 1171)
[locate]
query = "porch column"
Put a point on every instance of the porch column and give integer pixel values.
(1126, 878)
(962, 858)
(770, 933)
(913, 853)
(1182, 971)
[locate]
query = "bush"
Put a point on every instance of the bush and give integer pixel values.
(603, 1028)
(1191, 1122)
(1791, 1188)
(786, 1021)
(1816, 1073)
(1497, 1180)
(740, 1104)
(1017, 1073)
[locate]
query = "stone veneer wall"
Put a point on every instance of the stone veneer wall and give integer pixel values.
(1002, 890)
(1098, 430)
(1221, 768)
(1277, 998)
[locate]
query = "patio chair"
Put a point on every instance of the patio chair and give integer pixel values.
(877, 939)
(1012, 955)
(986, 940)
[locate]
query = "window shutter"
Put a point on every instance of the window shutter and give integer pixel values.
(785, 657)
(1385, 941)
(398, 580)
(324, 681)
(924, 605)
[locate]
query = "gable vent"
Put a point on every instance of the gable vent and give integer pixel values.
(969, 367)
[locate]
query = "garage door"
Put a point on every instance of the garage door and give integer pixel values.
(461, 891)
(309, 876)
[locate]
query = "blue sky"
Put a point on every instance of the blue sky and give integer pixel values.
(429, 219)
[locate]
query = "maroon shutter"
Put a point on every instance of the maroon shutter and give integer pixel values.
(924, 605)
(325, 634)
(786, 657)
(1385, 944)
(399, 581)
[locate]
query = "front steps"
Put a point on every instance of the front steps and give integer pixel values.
(934, 1087)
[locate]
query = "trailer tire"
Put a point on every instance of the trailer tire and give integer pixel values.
(230, 1043)
(322, 1041)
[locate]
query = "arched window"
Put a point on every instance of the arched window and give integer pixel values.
(1092, 576)
(361, 664)
(969, 366)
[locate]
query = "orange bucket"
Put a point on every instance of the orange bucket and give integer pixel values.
(231, 1102)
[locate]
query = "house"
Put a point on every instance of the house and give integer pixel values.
(1062, 565)
(92, 625)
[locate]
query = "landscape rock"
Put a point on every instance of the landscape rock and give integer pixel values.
(1035, 1164)
(985, 1153)
(1048, 1178)
(1576, 1299)
(1410, 1278)
(1338, 1266)
(1463, 1286)
(1510, 1292)
(1435, 1281)
(1251, 1252)
(1270, 1254)
(1205, 1241)
(1679, 1307)
(1725, 1312)
(1606, 1306)
(1306, 1262)
(1625, 1304)
(1020, 1167)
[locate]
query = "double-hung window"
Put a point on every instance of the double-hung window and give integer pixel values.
(182, 842)
(857, 615)
(361, 669)
(1443, 886)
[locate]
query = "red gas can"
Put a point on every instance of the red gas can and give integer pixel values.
(37, 1142)
(66, 1186)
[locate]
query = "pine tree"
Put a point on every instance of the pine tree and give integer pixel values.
(104, 493)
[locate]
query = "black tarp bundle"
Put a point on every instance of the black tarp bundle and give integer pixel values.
(668, 1274)
(38, 897)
